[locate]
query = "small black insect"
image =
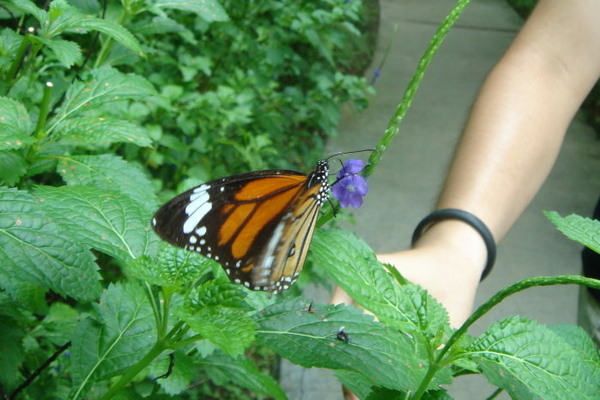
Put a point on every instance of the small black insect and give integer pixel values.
(342, 335)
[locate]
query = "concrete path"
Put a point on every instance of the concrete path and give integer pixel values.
(405, 186)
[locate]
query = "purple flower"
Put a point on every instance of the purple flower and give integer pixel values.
(350, 188)
(376, 74)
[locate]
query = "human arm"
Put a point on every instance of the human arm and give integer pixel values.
(509, 145)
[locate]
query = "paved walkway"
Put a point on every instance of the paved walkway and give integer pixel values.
(405, 186)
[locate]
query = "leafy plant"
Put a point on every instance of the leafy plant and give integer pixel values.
(92, 305)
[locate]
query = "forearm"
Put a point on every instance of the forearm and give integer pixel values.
(519, 119)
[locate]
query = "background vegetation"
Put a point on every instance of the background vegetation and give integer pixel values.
(104, 105)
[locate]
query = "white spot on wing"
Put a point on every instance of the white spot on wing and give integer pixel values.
(199, 206)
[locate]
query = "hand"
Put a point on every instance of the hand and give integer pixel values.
(447, 261)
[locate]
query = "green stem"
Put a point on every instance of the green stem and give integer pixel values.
(491, 303)
(17, 62)
(409, 94)
(131, 373)
(40, 131)
(44, 109)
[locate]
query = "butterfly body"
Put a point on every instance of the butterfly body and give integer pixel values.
(257, 225)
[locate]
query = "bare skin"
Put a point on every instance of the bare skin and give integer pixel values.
(507, 149)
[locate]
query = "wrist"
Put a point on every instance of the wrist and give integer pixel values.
(458, 244)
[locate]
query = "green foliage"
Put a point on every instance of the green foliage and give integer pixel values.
(92, 305)
(84, 135)
(578, 228)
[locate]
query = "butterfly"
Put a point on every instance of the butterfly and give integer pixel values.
(258, 225)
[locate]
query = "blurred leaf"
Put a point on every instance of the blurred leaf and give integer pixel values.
(224, 370)
(12, 353)
(583, 230)
(12, 167)
(15, 125)
(66, 51)
(209, 10)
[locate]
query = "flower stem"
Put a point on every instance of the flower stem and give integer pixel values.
(491, 303)
(409, 94)
(128, 376)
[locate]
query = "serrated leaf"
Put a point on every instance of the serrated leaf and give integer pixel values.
(105, 220)
(37, 251)
(66, 18)
(241, 372)
(164, 24)
(230, 329)
(209, 10)
(583, 230)
(119, 335)
(15, 125)
(101, 132)
(172, 267)
(12, 167)
(66, 51)
(354, 267)
(109, 172)
(521, 356)
(579, 339)
(216, 293)
(106, 85)
(30, 8)
(310, 339)
(112, 29)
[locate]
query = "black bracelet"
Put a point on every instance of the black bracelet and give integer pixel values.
(476, 223)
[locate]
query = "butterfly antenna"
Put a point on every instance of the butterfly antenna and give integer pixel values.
(343, 153)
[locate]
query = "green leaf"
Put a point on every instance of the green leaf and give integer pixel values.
(310, 339)
(217, 292)
(583, 230)
(241, 372)
(354, 267)
(172, 267)
(35, 250)
(105, 220)
(181, 374)
(120, 333)
(101, 132)
(519, 350)
(66, 51)
(209, 10)
(112, 29)
(30, 8)
(12, 167)
(111, 173)
(15, 125)
(106, 85)
(65, 18)
(59, 324)
(230, 329)
(12, 353)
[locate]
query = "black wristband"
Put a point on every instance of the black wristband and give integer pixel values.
(476, 223)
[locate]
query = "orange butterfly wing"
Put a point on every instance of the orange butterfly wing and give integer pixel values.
(257, 225)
